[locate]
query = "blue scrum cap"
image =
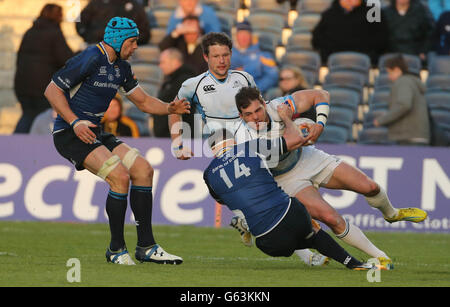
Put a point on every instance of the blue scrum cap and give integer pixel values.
(118, 30)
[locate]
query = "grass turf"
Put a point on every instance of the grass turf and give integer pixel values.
(36, 254)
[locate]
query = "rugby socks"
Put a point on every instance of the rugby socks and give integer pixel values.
(304, 254)
(116, 207)
(141, 201)
(325, 244)
(381, 202)
(353, 236)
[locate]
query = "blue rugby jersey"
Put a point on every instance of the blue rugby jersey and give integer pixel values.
(90, 81)
(240, 180)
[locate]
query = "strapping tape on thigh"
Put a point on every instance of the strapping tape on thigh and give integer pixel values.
(130, 157)
(108, 166)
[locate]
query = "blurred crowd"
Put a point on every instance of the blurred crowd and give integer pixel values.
(404, 27)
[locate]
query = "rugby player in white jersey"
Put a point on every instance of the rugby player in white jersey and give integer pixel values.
(301, 173)
(211, 93)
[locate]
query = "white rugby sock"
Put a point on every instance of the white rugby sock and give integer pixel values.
(356, 238)
(381, 202)
(305, 255)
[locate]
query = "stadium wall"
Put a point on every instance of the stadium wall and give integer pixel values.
(38, 184)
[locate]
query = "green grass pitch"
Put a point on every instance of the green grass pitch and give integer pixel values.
(36, 254)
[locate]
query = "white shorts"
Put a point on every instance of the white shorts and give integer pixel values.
(314, 168)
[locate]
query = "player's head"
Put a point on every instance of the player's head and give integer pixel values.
(121, 34)
(396, 66)
(252, 107)
(217, 53)
(219, 139)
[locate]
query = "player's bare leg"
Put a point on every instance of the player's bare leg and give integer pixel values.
(141, 202)
(347, 177)
(320, 210)
(105, 164)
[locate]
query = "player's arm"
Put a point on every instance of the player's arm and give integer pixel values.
(293, 137)
(153, 105)
(320, 100)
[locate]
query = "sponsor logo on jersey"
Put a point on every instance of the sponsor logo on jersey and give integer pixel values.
(209, 88)
(102, 71)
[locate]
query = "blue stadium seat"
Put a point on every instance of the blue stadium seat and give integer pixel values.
(379, 99)
(345, 79)
(382, 82)
(341, 97)
(267, 21)
(350, 61)
(305, 22)
(334, 134)
(308, 61)
(299, 41)
(342, 117)
(438, 100)
(438, 82)
(146, 54)
(439, 65)
(313, 6)
(376, 135)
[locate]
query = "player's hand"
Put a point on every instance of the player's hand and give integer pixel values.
(314, 131)
(83, 132)
(180, 106)
(183, 153)
(285, 112)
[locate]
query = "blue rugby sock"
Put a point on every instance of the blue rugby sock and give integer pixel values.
(141, 201)
(116, 207)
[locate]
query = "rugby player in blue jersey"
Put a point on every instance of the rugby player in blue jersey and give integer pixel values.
(80, 93)
(239, 178)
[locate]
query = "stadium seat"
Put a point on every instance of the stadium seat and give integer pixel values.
(344, 98)
(370, 116)
(267, 21)
(379, 100)
(267, 41)
(382, 82)
(342, 117)
(439, 65)
(226, 21)
(345, 79)
(228, 6)
(140, 118)
(157, 35)
(146, 54)
(299, 41)
(350, 61)
(305, 22)
(162, 16)
(313, 6)
(172, 4)
(375, 135)
(414, 62)
(438, 82)
(438, 100)
(147, 72)
(149, 87)
(334, 134)
(307, 60)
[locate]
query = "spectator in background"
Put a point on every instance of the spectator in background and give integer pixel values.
(95, 16)
(43, 123)
(441, 35)
(437, 7)
(344, 27)
(116, 123)
(407, 117)
(291, 79)
(209, 21)
(175, 73)
(247, 56)
(186, 38)
(42, 52)
(410, 27)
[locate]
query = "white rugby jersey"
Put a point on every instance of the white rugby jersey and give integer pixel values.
(243, 133)
(213, 98)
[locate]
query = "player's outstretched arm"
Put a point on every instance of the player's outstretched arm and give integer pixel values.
(59, 103)
(153, 105)
(320, 99)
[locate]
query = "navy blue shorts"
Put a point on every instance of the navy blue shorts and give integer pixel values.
(292, 233)
(75, 150)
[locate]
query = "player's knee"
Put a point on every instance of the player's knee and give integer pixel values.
(119, 177)
(142, 171)
(371, 188)
(333, 220)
